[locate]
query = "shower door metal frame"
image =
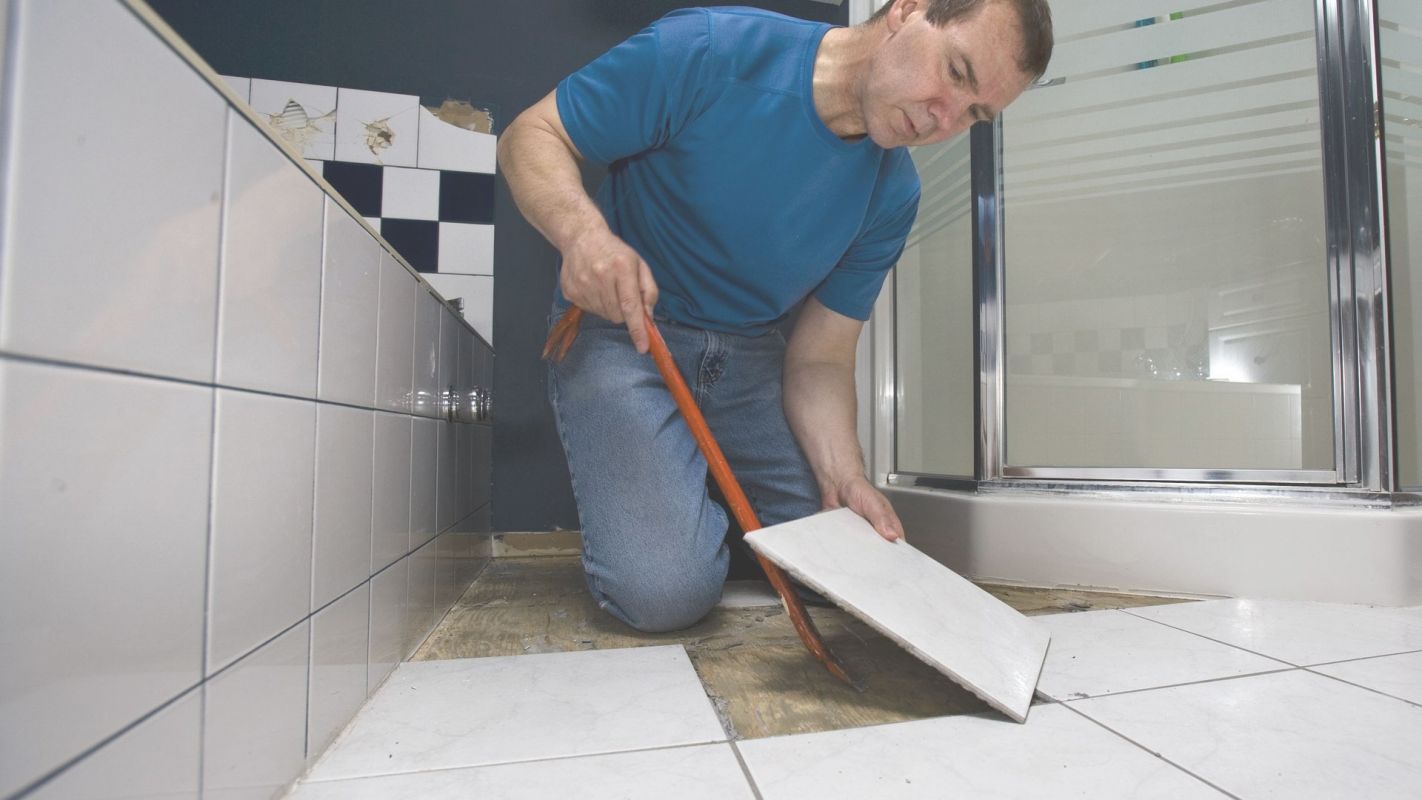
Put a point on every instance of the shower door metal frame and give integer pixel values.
(1350, 124)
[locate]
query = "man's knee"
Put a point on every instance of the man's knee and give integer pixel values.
(666, 599)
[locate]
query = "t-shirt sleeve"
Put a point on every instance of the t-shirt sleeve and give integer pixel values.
(855, 282)
(637, 95)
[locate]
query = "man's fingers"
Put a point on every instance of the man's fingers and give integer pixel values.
(629, 302)
(649, 287)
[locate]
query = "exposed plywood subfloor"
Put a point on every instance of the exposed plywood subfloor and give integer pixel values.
(761, 679)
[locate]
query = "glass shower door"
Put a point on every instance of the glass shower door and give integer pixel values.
(1165, 257)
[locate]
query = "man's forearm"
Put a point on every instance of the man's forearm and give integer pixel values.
(821, 406)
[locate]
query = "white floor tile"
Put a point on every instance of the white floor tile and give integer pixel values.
(1399, 676)
(940, 617)
(748, 594)
(1288, 735)
(1104, 652)
(704, 772)
(481, 711)
(1297, 632)
(1057, 753)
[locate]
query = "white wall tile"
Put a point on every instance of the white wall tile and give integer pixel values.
(270, 297)
(446, 146)
(254, 732)
(446, 571)
(394, 385)
(466, 248)
(350, 305)
(340, 645)
(344, 458)
(428, 312)
(309, 124)
(388, 592)
(420, 597)
(478, 294)
(450, 329)
(157, 759)
(242, 86)
(424, 481)
(111, 253)
(261, 521)
(482, 473)
(374, 222)
(408, 193)
(377, 127)
(446, 499)
(464, 444)
(391, 490)
(103, 492)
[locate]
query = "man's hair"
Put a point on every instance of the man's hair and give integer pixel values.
(1034, 20)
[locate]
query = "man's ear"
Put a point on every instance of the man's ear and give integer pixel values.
(900, 13)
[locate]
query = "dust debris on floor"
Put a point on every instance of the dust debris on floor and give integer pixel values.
(758, 675)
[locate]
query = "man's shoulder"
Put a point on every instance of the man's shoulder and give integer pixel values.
(735, 27)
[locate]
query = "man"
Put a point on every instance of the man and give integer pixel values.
(757, 162)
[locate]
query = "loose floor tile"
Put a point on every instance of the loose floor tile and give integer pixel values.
(941, 617)
(1057, 753)
(1288, 735)
(703, 772)
(475, 712)
(1399, 676)
(1300, 633)
(748, 594)
(1104, 652)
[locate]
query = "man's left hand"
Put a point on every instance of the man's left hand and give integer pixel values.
(859, 495)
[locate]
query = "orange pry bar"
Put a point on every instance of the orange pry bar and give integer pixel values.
(560, 339)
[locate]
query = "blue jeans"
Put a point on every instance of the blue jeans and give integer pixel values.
(654, 546)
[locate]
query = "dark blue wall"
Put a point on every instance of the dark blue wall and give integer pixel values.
(508, 53)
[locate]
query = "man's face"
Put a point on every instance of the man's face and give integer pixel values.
(926, 83)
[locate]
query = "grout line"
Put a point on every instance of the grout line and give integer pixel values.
(1362, 658)
(1152, 752)
(1361, 686)
(1290, 668)
(25, 790)
(45, 361)
(519, 761)
(9, 125)
(745, 768)
(1212, 639)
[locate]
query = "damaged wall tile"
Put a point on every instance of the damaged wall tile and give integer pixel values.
(377, 127)
(301, 113)
(463, 114)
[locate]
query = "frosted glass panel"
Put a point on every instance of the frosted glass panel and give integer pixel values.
(1400, 23)
(933, 315)
(1166, 263)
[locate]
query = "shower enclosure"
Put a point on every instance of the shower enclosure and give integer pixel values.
(1173, 281)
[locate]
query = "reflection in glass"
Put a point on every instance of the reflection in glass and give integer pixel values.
(1400, 32)
(1166, 265)
(933, 314)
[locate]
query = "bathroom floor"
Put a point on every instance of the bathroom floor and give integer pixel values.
(527, 690)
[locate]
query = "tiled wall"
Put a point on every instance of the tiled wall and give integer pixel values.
(426, 184)
(229, 503)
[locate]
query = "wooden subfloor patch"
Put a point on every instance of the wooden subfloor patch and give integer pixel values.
(757, 674)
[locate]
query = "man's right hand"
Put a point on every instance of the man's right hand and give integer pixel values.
(604, 276)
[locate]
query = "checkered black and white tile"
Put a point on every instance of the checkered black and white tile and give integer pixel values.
(425, 184)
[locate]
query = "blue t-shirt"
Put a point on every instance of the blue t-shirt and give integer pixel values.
(724, 178)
